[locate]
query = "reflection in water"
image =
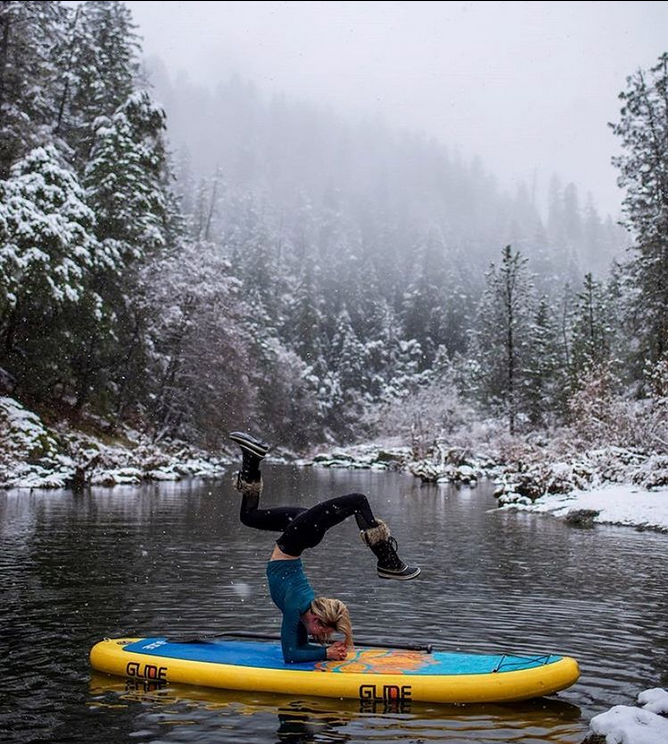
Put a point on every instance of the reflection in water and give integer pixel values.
(173, 558)
(309, 720)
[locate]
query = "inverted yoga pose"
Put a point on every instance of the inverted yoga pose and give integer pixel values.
(304, 614)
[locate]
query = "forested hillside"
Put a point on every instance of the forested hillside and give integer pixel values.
(243, 260)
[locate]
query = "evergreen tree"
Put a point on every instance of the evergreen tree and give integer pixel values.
(594, 256)
(347, 356)
(643, 172)
(126, 185)
(503, 338)
(28, 75)
(546, 373)
(99, 64)
(304, 322)
(429, 309)
(126, 178)
(48, 255)
(591, 327)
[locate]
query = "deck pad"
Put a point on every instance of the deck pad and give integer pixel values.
(266, 655)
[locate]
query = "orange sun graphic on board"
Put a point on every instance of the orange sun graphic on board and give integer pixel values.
(379, 661)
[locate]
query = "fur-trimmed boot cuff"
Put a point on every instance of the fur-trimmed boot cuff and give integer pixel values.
(248, 489)
(375, 535)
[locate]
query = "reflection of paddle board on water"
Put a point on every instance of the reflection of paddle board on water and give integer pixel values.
(366, 673)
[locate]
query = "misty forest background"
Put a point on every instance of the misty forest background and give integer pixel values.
(257, 262)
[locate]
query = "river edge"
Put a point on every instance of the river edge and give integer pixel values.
(606, 486)
(33, 455)
(603, 486)
(36, 455)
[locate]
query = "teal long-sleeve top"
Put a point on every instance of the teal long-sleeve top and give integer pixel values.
(292, 594)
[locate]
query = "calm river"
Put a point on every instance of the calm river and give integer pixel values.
(174, 558)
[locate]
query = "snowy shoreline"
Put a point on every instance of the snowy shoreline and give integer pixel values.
(616, 504)
(612, 486)
(33, 455)
(625, 724)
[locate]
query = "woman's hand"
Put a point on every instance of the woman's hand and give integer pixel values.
(337, 651)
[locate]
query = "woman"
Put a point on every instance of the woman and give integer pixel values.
(305, 614)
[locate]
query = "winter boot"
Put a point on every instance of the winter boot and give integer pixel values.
(250, 493)
(384, 546)
(253, 451)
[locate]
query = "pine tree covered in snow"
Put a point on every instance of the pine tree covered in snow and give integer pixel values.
(48, 257)
(29, 31)
(98, 63)
(592, 327)
(643, 173)
(546, 374)
(504, 336)
(126, 178)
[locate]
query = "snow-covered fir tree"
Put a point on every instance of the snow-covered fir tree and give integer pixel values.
(29, 31)
(592, 326)
(48, 256)
(504, 336)
(643, 172)
(99, 64)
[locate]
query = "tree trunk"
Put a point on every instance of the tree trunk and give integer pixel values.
(66, 87)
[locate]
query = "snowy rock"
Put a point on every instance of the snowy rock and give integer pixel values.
(362, 457)
(655, 700)
(23, 434)
(624, 724)
(163, 475)
(426, 470)
(582, 517)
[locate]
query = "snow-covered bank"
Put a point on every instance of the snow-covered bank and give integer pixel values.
(612, 504)
(625, 724)
(611, 485)
(449, 465)
(33, 455)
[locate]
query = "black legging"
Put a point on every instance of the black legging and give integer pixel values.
(305, 528)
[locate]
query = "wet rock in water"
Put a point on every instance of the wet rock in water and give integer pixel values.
(425, 470)
(391, 460)
(594, 739)
(582, 517)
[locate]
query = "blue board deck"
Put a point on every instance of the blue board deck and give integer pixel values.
(267, 655)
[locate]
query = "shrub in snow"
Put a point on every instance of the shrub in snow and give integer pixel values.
(426, 412)
(653, 473)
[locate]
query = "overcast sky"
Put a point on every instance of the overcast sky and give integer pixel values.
(527, 86)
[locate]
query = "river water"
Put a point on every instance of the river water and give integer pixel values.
(168, 558)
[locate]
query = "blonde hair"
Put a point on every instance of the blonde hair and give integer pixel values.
(334, 614)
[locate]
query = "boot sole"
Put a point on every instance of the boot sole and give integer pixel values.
(259, 449)
(400, 577)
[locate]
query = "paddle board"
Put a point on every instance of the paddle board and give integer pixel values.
(372, 674)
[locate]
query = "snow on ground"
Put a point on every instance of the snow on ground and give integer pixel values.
(609, 485)
(612, 504)
(625, 724)
(34, 456)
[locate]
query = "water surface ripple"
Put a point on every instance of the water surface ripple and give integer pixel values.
(173, 558)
